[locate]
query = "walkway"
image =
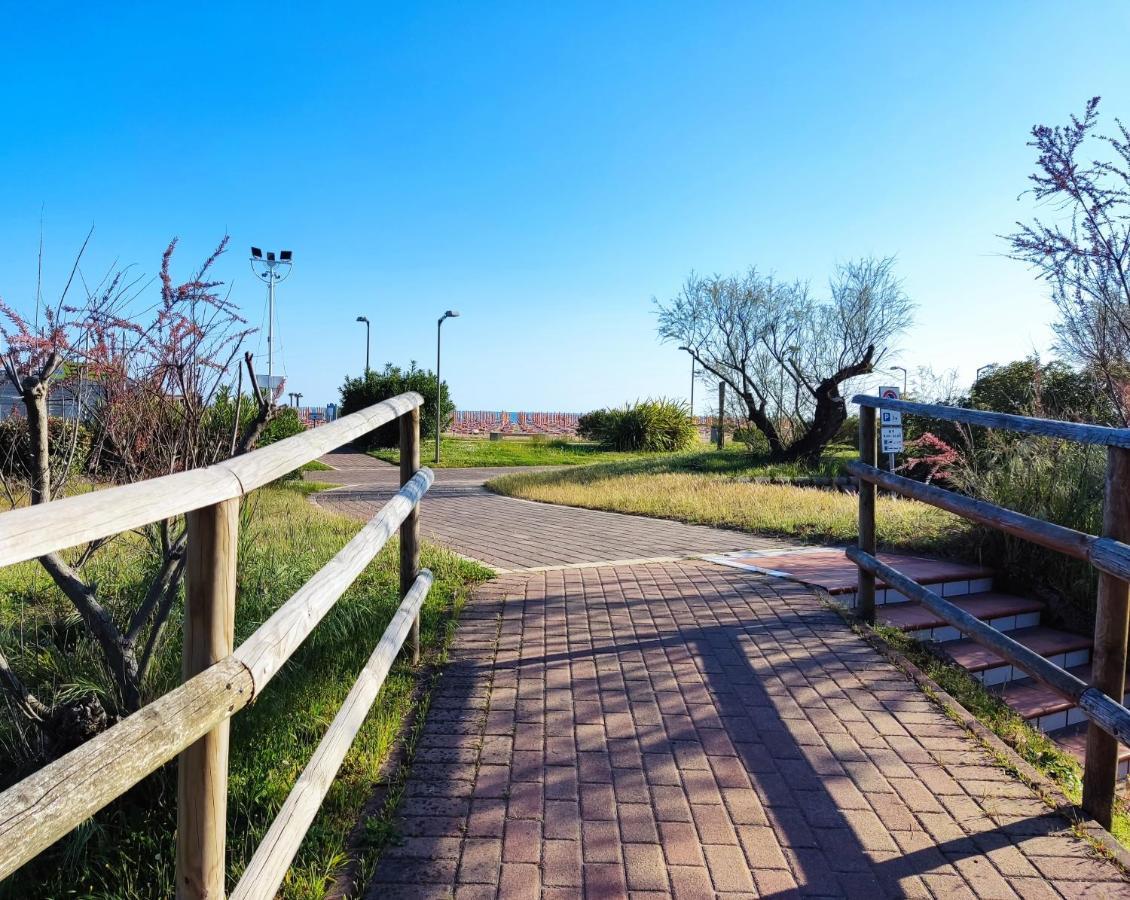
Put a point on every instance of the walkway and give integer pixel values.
(510, 534)
(679, 728)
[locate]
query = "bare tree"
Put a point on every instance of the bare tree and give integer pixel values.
(1084, 250)
(150, 381)
(784, 354)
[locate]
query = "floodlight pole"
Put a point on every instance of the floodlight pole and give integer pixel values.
(269, 273)
(365, 319)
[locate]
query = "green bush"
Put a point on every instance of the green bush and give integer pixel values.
(648, 425)
(15, 446)
(373, 387)
(753, 439)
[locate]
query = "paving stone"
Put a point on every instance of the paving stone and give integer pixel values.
(693, 747)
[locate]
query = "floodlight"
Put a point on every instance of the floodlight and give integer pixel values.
(270, 256)
(285, 255)
(256, 253)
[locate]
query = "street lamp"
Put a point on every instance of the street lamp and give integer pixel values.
(688, 349)
(272, 270)
(365, 319)
(903, 370)
(450, 314)
(989, 367)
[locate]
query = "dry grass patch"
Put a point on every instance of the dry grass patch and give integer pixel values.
(804, 513)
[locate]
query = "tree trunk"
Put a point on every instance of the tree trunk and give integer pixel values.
(38, 432)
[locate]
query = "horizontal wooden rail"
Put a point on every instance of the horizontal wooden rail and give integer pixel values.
(268, 867)
(33, 531)
(1105, 554)
(48, 804)
(1111, 716)
(272, 644)
(1068, 431)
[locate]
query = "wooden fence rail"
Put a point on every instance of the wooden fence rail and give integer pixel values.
(192, 719)
(1101, 701)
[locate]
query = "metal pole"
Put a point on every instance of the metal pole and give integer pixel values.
(692, 387)
(721, 414)
(439, 388)
(270, 326)
(366, 346)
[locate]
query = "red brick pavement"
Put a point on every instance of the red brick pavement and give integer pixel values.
(687, 730)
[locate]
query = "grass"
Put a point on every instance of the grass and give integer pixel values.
(127, 850)
(714, 489)
(1032, 745)
(460, 452)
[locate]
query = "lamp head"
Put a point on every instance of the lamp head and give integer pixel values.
(362, 319)
(256, 253)
(451, 314)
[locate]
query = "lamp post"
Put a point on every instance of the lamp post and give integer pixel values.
(688, 349)
(272, 271)
(365, 319)
(297, 400)
(450, 314)
(903, 370)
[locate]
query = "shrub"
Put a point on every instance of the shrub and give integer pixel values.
(373, 387)
(15, 446)
(755, 442)
(648, 425)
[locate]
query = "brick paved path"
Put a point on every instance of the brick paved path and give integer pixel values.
(692, 730)
(510, 534)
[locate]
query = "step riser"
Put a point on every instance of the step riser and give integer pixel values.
(945, 588)
(944, 633)
(1006, 673)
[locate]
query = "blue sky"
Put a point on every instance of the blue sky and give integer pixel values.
(545, 168)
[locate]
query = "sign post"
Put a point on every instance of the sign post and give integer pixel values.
(890, 423)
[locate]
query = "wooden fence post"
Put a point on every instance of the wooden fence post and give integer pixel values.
(410, 529)
(1112, 618)
(868, 453)
(209, 632)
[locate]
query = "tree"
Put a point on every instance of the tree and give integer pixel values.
(373, 387)
(785, 355)
(1084, 251)
(144, 389)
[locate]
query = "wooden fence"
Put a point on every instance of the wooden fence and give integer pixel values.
(1101, 700)
(219, 680)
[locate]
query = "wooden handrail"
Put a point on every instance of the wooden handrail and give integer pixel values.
(1104, 554)
(1111, 716)
(35, 530)
(49, 803)
(273, 642)
(272, 859)
(1068, 431)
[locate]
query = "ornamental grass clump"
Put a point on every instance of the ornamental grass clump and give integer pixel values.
(654, 426)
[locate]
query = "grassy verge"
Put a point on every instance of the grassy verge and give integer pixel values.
(674, 489)
(1032, 745)
(458, 452)
(127, 851)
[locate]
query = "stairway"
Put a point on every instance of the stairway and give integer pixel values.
(1019, 617)
(971, 588)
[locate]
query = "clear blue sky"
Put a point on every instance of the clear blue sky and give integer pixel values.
(545, 168)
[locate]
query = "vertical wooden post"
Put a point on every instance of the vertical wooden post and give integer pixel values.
(410, 529)
(209, 631)
(868, 454)
(1112, 618)
(721, 414)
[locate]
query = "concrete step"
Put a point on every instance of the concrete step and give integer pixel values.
(1063, 648)
(1074, 741)
(1005, 612)
(1042, 706)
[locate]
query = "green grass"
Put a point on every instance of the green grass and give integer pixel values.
(459, 452)
(712, 488)
(1032, 745)
(127, 851)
